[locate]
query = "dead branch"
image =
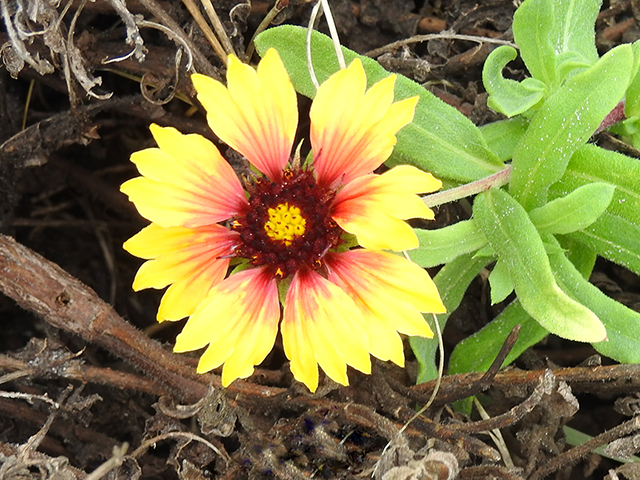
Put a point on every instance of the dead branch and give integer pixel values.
(63, 301)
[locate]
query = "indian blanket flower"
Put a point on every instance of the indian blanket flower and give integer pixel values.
(287, 229)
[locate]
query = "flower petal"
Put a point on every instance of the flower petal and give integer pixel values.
(373, 207)
(190, 260)
(322, 325)
(386, 283)
(239, 321)
(386, 289)
(185, 182)
(353, 132)
(257, 114)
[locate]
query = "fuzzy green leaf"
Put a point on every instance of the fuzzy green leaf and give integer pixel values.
(616, 234)
(503, 136)
(556, 37)
(440, 139)
(477, 352)
(509, 230)
(507, 96)
(622, 323)
(532, 30)
(573, 29)
(614, 238)
(632, 104)
(582, 257)
(595, 164)
(500, 282)
(443, 245)
(569, 63)
(575, 211)
(565, 122)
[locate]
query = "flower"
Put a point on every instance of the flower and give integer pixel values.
(289, 229)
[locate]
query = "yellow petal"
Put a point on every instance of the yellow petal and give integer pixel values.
(183, 297)
(410, 178)
(384, 341)
(190, 260)
(372, 207)
(379, 231)
(322, 325)
(154, 241)
(296, 343)
(239, 320)
(185, 182)
(257, 114)
(384, 314)
(353, 132)
(375, 275)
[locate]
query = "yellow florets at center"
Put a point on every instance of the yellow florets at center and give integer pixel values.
(285, 223)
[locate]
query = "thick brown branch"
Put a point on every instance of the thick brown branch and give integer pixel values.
(611, 379)
(63, 301)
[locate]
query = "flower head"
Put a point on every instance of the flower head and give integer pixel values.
(288, 225)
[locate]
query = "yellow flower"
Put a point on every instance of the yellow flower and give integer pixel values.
(290, 225)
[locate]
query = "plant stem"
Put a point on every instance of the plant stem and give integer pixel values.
(616, 115)
(463, 191)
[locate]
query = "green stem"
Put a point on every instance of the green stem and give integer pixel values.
(463, 191)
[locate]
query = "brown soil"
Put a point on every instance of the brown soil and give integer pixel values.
(79, 382)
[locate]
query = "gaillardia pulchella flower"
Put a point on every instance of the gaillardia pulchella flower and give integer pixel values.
(290, 227)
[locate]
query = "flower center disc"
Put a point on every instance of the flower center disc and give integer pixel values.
(287, 224)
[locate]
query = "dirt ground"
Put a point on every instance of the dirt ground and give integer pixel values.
(83, 391)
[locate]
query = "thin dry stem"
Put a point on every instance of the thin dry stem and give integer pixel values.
(206, 30)
(435, 36)
(573, 455)
(218, 27)
(114, 462)
(334, 33)
(201, 63)
(185, 435)
(266, 21)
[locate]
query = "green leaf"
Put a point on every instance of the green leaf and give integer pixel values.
(565, 122)
(505, 95)
(532, 30)
(486, 251)
(582, 257)
(503, 136)
(615, 239)
(445, 244)
(622, 323)
(574, 28)
(500, 283)
(632, 104)
(594, 164)
(477, 352)
(517, 243)
(575, 211)
(569, 63)
(440, 139)
(556, 37)
(616, 234)
(452, 281)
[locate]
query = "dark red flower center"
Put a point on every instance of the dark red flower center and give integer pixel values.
(287, 224)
